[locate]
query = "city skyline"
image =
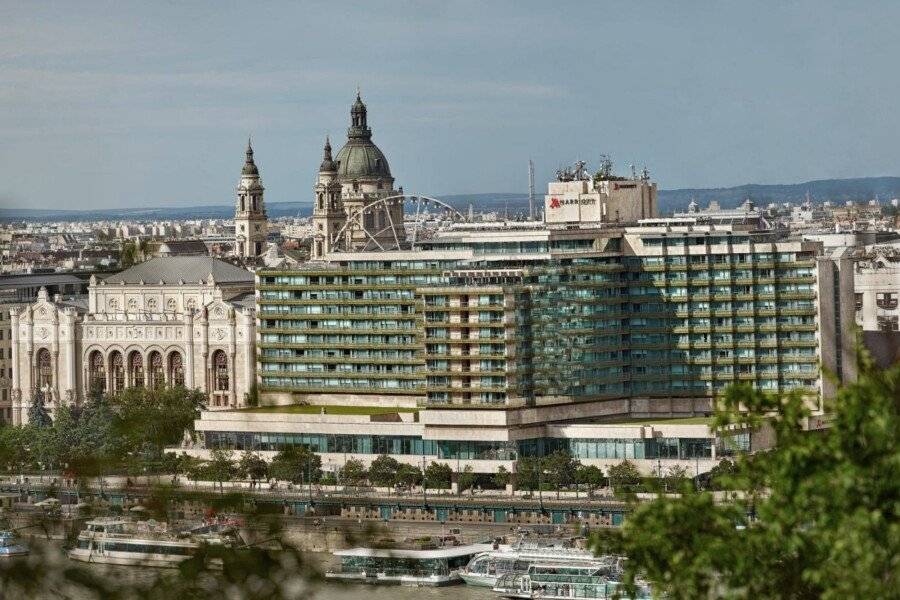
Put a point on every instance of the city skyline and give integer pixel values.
(118, 107)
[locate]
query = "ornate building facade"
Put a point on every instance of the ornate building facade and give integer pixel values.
(169, 321)
(250, 221)
(356, 177)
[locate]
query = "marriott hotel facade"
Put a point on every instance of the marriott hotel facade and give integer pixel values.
(501, 341)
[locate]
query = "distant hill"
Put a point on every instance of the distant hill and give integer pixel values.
(835, 190)
(223, 211)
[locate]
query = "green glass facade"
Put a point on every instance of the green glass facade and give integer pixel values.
(676, 316)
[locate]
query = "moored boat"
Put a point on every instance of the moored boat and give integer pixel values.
(558, 582)
(487, 567)
(144, 543)
(10, 546)
(433, 567)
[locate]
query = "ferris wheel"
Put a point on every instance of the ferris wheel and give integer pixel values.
(396, 222)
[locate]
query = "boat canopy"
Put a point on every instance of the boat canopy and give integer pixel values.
(448, 552)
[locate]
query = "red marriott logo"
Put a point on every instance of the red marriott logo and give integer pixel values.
(554, 202)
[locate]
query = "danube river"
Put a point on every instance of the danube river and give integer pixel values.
(321, 591)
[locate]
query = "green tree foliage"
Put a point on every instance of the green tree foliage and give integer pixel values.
(560, 469)
(221, 467)
(528, 473)
(676, 478)
(624, 477)
(827, 506)
(719, 474)
(297, 464)
(501, 477)
(157, 417)
(253, 467)
(408, 475)
(37, 412)
(590, 476)
(353, 472)
(383, 471)
(467, 479)
(130, 254)
(438, 475)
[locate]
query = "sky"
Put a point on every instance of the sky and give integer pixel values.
(147, 104)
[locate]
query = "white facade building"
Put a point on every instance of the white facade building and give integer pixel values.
(168, 321)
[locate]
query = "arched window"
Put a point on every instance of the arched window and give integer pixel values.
(136, 369)
(176, 369)
(117, 370)
(220, 371)
(96, 373)
(44, 369)
(155, 376)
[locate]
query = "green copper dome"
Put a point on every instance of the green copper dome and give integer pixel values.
(360, 158)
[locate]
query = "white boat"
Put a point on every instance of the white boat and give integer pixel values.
(10, 546)
(559, 582)
(486, 568)
(144, 543)
(435, 567)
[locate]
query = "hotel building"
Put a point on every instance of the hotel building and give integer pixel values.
(593, 331)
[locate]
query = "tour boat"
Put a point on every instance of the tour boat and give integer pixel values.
(435, 567)
(487, 567)
(10, 546)
(557, 582)
(145, 543)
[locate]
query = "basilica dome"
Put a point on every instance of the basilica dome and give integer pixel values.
(360, 158)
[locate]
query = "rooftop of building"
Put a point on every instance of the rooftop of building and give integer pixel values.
(658, 421)
(332, 409)
(182, 269)
(19, 281)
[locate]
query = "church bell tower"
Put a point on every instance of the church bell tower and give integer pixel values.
(250, 223)
(328, 211)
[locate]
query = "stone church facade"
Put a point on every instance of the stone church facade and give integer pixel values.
(349, 182)
(186, 320)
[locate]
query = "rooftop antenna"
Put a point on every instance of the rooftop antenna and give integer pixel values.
(530, 190)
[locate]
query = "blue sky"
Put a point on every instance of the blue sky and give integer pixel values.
(121, 104)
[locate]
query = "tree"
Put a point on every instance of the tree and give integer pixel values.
(253, 467)
(676, 478)
(467, 480)
(130, 254)
(383, 471)
(156, 417)
(624, 477)
(353, 472)
(501, 477)
(408, 475)
(590, 476)
(221, 467)
(297, 464)
(528, 473)
(438, 475)
(560, 468)
(720, 474)
(37, 412)
(816, 517)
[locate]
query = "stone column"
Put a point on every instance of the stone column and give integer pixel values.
(70, 352)
(232, 367)
(204, 352)
(189, 351)
(15, 392)
(249, 353)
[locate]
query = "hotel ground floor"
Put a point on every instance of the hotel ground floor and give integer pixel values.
(481, 441)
